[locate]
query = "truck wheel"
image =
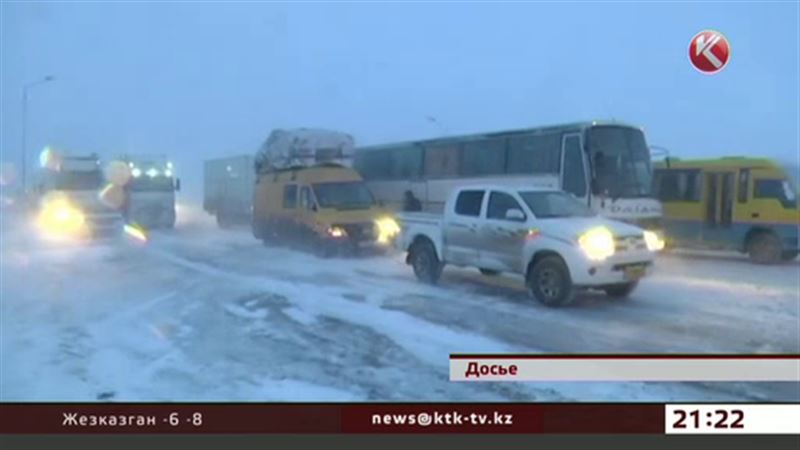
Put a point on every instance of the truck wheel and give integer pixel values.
(764, 248)
(549, 282)
(490, 272)
(427, 267)
(621, 290)
(222, 220)
(255, 228)
(789, 255)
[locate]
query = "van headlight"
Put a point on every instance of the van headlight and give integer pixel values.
(337, 232)
(597, 243)
(387, 229)
(653, 241)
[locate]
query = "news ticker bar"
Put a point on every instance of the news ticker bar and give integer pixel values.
(355, 418)
(666, 368)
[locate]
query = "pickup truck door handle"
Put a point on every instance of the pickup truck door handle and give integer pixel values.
(471, 227)
(755, 215)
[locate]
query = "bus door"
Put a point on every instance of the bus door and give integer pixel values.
(719, 196)
(573, 167)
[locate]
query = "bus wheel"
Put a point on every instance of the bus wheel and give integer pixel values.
(427, 267)
(764, 248)
(549, 281)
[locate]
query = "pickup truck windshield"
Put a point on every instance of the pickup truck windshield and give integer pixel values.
(78, 181)
(554, 204)
(343, 195)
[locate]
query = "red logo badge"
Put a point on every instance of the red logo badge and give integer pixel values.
(709, 51)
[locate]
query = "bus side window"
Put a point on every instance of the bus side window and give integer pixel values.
(574, 179)
(290, 196)
(306, 202)
(374, 164)
(534, 154)
(743, 185)
(678, 186)
(406, 162)
(442, 161)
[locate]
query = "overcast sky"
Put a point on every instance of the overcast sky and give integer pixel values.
(202, 80)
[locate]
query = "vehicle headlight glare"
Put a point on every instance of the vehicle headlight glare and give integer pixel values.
(597, 243)
(337, 232)
(653, 241)
(58, 218)
(387, 229)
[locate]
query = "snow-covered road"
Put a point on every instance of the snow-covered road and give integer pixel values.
(205, 314)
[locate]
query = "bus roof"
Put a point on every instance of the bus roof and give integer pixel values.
(489, 134)
(723, 162)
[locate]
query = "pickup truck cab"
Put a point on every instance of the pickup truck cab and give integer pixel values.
(553, 240)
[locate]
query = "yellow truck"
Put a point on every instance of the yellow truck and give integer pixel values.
(735, 203)
(306, 193)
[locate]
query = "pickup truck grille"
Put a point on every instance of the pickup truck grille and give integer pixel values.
(629, 243)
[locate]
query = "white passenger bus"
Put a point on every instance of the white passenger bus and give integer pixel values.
(605, 164)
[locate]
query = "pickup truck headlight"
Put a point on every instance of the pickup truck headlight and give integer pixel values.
(653, 241)
(387, 229)
(597, 243)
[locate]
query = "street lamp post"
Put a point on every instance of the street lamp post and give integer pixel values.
(435, 121)
(25, 89)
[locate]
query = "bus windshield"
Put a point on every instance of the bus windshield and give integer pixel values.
(78, 180)
(343, 195)
(551, 204)
(621, 161)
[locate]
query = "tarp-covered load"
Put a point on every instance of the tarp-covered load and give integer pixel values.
(304, 147)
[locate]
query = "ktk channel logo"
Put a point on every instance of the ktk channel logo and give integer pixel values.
(709, 52)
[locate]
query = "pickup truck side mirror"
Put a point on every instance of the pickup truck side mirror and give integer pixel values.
(177, 184)
(515, 215)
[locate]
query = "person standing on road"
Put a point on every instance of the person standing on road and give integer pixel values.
(411, 203)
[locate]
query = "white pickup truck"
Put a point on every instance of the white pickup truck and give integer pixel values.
(547, 235)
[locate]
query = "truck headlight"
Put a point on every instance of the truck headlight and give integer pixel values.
(597, 243)
(59, 218)
(653, 241)
(387, 229)
(337, 232)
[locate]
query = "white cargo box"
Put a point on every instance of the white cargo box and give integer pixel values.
(304, 147)
(228, 186)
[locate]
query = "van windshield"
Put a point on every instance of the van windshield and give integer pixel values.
(343, 195)
(555, 204)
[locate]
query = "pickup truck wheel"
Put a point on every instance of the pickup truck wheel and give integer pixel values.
(490, 272)
(620, 290)
(427, 267)
(550, 283)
